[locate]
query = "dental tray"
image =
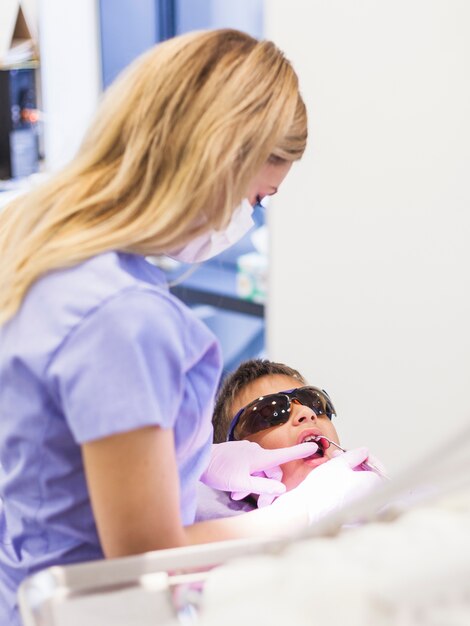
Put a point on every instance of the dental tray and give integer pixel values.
(162, 587)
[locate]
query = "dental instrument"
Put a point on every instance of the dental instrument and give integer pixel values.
(366, 465)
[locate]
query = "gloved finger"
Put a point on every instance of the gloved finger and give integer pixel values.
(352, 458)
(239, 495)
(265, 500)
(373, 466)
(273, 472)
(278, 456)
(374, 461)
(259, 485)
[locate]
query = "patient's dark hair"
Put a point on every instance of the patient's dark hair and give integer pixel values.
(245, 374)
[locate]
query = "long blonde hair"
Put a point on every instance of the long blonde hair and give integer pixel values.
(175, 142)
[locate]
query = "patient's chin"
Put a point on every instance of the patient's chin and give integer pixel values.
(293, 473)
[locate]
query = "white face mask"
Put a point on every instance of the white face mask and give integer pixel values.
(214, 242)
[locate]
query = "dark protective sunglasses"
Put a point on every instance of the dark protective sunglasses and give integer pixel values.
(274, 409)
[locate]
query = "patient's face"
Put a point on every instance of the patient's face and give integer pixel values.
(302, 421)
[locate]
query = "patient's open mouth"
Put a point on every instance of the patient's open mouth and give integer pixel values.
(323, 444)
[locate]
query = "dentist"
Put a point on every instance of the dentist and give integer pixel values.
(107, 380)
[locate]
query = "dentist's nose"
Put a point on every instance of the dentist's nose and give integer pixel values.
(302, 414)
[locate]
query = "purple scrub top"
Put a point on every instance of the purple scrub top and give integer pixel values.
(94, 350)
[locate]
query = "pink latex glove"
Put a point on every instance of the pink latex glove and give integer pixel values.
(371, 464)
(244, 467)
(331, 486)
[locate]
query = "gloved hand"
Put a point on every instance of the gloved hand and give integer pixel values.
(331, 486)
(244, 467)
(371, 464)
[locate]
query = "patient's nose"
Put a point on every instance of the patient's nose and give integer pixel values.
(302, 414)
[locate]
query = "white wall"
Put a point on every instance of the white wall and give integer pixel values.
(70, 74)
(369, 285)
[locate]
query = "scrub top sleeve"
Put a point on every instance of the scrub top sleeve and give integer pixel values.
(122, 368)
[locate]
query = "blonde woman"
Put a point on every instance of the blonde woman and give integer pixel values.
(107, 380)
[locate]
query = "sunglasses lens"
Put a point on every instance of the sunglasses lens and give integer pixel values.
(316, 400)
(274, 410)
(262, 414)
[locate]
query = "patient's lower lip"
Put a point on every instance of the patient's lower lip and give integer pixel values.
(315, 462)
(318, 454)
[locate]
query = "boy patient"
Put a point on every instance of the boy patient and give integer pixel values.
(272, 405)
(308, 414)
